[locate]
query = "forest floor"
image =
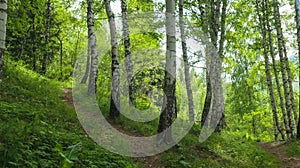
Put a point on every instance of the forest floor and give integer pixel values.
(279, 150)
(146, 162)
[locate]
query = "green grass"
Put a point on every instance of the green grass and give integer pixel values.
(38, 130)
(293, 148)
(219, 150)
(224, 149)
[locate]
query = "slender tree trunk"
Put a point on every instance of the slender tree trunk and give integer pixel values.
(88, 59)
(3, 16)
(282, 106)
(267, 70)
(61, 57)
(93, 49)
(281, 47)
(297, 9)
(33, 37)
(169, 112)
(186, 64)
(115, 69)
(208, 98)
(87, 68)
(128, 60)
(47, 32)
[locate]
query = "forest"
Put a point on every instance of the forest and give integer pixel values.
(150, 83)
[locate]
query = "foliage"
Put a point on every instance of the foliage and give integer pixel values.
(38, 130)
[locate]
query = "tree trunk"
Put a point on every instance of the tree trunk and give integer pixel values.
(3, 16)
(61, 57)
(87, 67)
(169, 112)
(207, 101)
(186, 64)
(222, 123)
(33, 45)
(267, 69)
(88, 59)
(47, 32)
(115, 70)
(282, 106)
(93, 48)
(208, 96)
(280, 40)
(128, 60)
(214, 101)
(297, 9)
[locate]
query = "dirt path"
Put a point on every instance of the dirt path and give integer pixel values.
(279, 150)
(145, 162)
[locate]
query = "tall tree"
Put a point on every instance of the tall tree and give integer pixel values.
(128, 60)
(297, 9)
(3, 16)
(186, 63)
(93, 48)
(47, 35)
(169, 110)
(284, 68)
(262, 23)
(278, 85)
(115, 69)
(214, 100)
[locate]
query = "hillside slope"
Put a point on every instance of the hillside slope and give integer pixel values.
(39, 129)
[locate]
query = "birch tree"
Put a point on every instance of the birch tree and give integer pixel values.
(267, 68)
(284, 68)
(3, 16)
(128, 60)
(214, 100)
(115, 69)
(297, 9)
(186, 63)
(169, 111)
(92, 47)
(278, 86)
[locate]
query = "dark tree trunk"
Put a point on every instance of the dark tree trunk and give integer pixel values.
(47, 35)
(3, 10)
(207, 102)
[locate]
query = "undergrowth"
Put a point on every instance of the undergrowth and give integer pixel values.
(38, 130)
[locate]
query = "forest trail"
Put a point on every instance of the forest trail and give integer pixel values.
(279, 150)
(146, 162)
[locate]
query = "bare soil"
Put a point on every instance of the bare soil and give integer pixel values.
(278, 149)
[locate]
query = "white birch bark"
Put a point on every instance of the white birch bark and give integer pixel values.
(93, 48)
